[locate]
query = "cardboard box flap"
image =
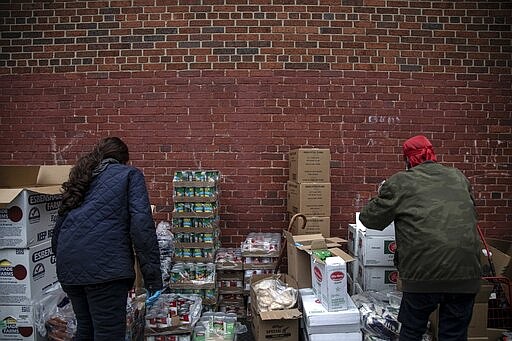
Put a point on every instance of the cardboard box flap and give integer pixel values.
(53, 175)
(33, 176)
(342, 254)
(500, 261)
(7, 195)
(18, 176)
(335, 252)
(288, 314)
(304, 242)
(303, 238)
(319, 245)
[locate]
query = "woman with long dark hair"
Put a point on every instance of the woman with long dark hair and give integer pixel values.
(105, 215)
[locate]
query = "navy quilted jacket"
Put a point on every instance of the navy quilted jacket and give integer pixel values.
(93, 242)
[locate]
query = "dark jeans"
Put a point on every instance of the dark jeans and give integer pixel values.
(100, 309)
(455, 312)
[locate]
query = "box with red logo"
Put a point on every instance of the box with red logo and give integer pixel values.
(376, 250)
(29, 199)
(387, 231)
(17, 324)
(26, 273)
(377, 278)
(329, 277)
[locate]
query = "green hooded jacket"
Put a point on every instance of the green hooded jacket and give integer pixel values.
(438, 248)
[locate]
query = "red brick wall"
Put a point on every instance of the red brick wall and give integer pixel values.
(234, 85)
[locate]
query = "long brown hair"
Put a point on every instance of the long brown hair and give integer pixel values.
(81, 174)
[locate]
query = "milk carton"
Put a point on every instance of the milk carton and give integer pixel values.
(329, 279)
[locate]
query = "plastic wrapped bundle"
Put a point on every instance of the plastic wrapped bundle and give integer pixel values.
(272, 294)
(380, 319)
(166, 245)
(54, 316)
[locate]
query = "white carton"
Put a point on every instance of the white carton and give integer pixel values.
(355, 336)
(329, 279)
(377, 278)
(17, 324)
(29, 200)
(387, 231)
(26, 273)
(318, 320)
(376, 250)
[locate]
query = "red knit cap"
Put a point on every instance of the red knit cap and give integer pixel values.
(418, 149)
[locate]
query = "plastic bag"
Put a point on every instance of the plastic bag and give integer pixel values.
(273, 294)
(136, 316)
(380, 319)
(166, 245)
(54, 315)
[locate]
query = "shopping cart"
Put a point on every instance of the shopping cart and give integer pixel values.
(500, 307)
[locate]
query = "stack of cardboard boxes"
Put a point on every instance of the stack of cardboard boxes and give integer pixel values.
(29, 201)
(373, 250)
(309, 189)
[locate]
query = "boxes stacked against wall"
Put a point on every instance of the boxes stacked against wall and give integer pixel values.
(29, 201)
(309, 189)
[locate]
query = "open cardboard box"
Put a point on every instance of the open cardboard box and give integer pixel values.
(298, 250)
(278, 325)
(30, 197)
(329, 276)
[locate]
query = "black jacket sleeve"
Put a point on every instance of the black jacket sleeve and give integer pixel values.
(143, 232)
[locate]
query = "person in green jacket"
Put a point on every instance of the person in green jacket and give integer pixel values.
(438, 248)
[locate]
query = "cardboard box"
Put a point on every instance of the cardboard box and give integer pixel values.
(29, 200)
(314, 225)
(278, 325)
(309, 165)
(478, 326)
(310, 199)
(501, 254)
(377, 277)
(387, 231)
(329, 277)
(298, 249)
(17, 324)
(376, 250)
(26, 273)
(318, 320)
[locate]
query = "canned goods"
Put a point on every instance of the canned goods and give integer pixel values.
(197, 253)
(208, 207)
(178, 176)
(208, 192)
(208, 237)
(189, 191)
(199, 192)
(179, 191)
(186, 252)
